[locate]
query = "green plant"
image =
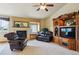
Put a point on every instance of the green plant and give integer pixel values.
(45, 29)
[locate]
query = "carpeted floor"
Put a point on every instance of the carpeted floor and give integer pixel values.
(35, 47)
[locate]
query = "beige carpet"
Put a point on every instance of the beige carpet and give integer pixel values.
(35, 47)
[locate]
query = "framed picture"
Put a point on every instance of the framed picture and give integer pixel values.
(25, 24)
(21, 24)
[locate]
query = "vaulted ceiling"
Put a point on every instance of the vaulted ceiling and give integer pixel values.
(27, 10)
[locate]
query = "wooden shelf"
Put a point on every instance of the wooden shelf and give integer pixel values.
(68, 26)
(15, 29)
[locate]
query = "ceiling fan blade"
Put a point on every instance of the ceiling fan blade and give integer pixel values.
(40, 3)
(46, 9)
(36, 5)
(38, 9)
(50, 5)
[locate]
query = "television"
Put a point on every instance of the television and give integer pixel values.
(67, 32)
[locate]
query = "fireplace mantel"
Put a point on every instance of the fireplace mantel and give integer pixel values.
(24, 29)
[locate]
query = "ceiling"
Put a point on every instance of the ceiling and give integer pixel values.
(27, 10)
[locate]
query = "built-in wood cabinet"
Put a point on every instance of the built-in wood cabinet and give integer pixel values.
(67, 20)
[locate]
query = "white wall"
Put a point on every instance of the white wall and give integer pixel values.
(72, 7)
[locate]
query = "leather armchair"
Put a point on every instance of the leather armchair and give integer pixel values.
(15, 41)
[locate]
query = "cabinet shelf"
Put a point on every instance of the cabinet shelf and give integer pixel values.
(68, 26)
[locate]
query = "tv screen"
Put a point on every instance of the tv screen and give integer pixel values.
(67, 32)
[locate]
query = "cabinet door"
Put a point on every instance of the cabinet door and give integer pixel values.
(77, 32)
(72, 44)
(77, 45)
(56, 40)
(77, 19)
(77, 37)
(60, 42)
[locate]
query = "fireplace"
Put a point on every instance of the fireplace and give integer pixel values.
(21, 33)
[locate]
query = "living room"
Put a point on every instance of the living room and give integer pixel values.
(35, 28)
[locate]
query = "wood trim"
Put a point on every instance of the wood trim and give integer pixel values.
(77, 45)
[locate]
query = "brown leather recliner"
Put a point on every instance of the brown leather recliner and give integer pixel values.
(15, 41)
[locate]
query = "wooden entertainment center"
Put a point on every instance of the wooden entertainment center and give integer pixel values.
(66, 30)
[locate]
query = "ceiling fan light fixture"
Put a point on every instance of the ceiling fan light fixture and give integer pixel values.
(42, 7)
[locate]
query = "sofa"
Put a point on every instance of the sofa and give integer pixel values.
(45, 35)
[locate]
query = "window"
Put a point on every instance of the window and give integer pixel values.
(4, 26)
(34, 27)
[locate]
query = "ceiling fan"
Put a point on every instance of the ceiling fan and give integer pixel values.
(43, 6)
